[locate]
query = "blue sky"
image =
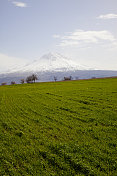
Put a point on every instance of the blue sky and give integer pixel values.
(84, 30)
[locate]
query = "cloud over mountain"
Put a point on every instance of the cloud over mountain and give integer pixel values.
(19, 4)
(108, 16)
(85, 38)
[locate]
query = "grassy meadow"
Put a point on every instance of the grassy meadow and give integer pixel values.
(60, 128)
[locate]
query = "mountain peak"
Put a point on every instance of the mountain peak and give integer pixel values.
(52, 62)
(52, 56)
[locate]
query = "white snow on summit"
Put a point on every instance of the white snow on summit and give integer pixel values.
(51, 62)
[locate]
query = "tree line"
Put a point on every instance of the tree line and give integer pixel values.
(33, 78)
(29, 79)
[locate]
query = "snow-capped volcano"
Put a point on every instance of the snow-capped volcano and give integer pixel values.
(53, 65)
(51, 62)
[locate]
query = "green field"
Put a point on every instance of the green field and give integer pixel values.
(62, 128)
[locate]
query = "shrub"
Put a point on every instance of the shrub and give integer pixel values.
(13, 82)
(4, 83)
(68, 78)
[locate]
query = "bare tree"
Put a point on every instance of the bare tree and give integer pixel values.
(76, 77)
(34, 78)
(31, 78)
(3, 84)
(55, 78)
(68, 78)
(22, 81)
(13, 82)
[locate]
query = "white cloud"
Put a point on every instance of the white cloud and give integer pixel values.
(107, 16)
(9, 62)
(56, 36)
(19, 4)
(83, 38)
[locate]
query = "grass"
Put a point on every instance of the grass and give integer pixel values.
(62, 128)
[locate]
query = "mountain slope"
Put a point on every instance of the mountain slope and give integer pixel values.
(51, 65)
(51, 62)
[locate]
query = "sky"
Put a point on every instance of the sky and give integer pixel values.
(83, 30)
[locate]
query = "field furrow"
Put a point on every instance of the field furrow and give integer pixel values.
(62, 128)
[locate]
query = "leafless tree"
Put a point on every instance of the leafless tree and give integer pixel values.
(31, 79)
(55, 78)
(76, 77)
(34, 78)
(68, 78)
(3, 84)
(22, 81)
(13, 82)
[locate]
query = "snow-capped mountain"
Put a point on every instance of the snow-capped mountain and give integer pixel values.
(51, 62)
(53, 65)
